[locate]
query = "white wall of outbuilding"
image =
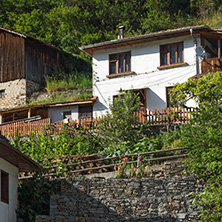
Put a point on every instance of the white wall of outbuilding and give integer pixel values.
(8, 210)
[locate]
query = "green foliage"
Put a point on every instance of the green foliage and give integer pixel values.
(170, 139)
(60, 81)
(211, 199)
(138, 170)
(122, 124)
(34, 197)
(61, 98)
(70, 24)
(42, 147)
(203, 136)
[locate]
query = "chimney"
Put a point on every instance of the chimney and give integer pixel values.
(121, 32)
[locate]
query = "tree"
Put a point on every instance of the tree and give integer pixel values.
(122, 123)
(203, 137)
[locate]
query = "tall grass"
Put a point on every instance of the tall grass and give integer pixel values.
(62, 98)
(62, 81)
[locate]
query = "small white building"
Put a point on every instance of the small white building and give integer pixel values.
(151, 64)
(57, 111)
(11, 162)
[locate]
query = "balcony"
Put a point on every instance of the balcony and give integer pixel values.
(211, 65)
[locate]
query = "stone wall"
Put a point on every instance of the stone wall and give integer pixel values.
(32, 87)
(148, 199)
(16, 92)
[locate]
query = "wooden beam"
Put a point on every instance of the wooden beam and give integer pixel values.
(1, 118)
(29, 113)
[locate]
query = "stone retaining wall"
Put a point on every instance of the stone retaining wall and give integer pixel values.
(16, 92)
(148, 199)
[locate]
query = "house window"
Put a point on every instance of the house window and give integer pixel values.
(171, 53)
(67, 114)
(4, 187)
(2, 93)
(120, 63)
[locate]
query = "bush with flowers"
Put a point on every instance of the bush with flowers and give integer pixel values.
(127, 168)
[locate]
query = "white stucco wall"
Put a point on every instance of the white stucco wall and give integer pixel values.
(56, 113)
(8, 211)
(145, 58)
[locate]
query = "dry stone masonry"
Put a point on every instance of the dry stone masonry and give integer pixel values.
(16, 92)
(148, 199)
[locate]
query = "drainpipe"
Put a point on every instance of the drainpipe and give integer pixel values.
(197, 59)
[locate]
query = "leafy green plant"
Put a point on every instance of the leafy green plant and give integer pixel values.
(211, 200)
(124, 170)
(122, 123)
(42, 146)
(203, 137)
(34, 197)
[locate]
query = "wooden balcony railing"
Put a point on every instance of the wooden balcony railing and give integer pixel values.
(211, 65)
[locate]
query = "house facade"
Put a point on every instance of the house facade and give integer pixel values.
(12, 161)
(152, 64)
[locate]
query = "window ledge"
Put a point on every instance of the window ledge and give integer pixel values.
(120, 74)
(172, 65)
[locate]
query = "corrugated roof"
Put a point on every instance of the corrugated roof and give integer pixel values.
(146, 37)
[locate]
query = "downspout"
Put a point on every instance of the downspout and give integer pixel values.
(197, 59)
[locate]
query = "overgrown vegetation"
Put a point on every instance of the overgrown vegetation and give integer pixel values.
(61, 97)
(121, 133)
(66, 87)
(42, 147)
(70, 24)
(60, 81)
(203, 136)
(34, 197)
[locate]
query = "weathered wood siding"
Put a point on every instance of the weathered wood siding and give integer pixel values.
(11, 57)
(40, 60)
(211, 65)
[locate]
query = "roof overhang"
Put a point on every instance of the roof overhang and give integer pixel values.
(17, 158)
(49, 105)
(73, 103)
(89, 49)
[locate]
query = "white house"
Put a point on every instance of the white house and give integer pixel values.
(11, 162)
(151, 64)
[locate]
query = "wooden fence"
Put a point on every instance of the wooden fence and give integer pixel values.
(154, 117)
(98, 165)
(169, 115)
(22, 128)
